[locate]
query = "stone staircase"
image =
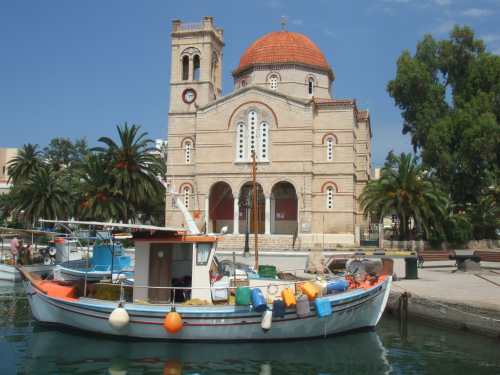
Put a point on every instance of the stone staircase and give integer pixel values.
(236, 242)
(284, 242)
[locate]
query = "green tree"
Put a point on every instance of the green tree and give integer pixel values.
(25, 163)
(62, 153)
(449, 95)
(134, 167)
(405, 190)
(99, 198)
(42, 195)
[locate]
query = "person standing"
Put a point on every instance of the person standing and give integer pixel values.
(14, 249)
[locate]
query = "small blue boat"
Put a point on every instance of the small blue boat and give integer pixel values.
(107, 260)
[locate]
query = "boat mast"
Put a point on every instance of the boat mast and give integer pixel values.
(255, 212)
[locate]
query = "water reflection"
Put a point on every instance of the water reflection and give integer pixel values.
(28, 348)
(69, 351)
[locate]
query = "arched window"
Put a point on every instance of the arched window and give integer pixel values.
(252, 136)
(329, 148)
(240, 142)
(252, 132)
(263, 140)
(329, 197)
(196, 68)
(273, 81)
(188, 151)
(243, 83)
(186, 192)
(185, 68)
(310, 86)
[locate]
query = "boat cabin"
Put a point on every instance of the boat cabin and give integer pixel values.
(167, 261)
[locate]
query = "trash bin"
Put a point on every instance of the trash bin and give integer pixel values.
(411, 268)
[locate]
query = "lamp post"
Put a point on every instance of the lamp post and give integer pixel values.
(245, 203)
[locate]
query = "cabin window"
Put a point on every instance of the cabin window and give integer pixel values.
(185, 68)
(203, 253)
(196, 68)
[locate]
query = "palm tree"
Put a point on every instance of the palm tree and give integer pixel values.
(27, 161)
(99, 199)
(133, 165)
(404, 190)
(42, 195)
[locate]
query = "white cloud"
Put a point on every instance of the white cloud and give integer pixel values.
(477, 12)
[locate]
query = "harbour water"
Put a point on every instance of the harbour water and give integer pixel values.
(27, 348)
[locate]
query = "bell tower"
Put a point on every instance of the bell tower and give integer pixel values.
(195, 77)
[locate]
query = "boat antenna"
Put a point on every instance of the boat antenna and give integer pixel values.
(255, 210)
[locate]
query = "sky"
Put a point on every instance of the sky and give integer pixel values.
(79, 68)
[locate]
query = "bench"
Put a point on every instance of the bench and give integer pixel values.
(488, 256)
(433, 256)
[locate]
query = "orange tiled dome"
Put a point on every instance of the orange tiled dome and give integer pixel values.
(283, 47)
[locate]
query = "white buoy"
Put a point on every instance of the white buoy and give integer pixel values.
(267, 319)
(266, 369)
(118, 318)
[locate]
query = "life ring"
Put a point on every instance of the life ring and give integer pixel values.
(272, 289)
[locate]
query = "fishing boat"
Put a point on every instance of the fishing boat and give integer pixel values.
(177, 295)
(158, 310)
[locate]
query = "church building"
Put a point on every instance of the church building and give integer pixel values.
(312, 151)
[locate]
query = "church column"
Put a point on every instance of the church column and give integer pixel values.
(236, 215)
(268, 215)
(207, 217)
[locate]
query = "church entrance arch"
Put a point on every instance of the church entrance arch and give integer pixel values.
(220, 207)
(247, 208)
(283, 209)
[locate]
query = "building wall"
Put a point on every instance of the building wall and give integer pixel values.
(298, 128)
(6, 154)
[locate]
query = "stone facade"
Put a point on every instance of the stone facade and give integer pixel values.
(313, 152)
(6, 155)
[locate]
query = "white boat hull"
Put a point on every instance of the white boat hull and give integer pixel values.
(352, 310)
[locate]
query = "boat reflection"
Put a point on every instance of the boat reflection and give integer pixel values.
(69, 352)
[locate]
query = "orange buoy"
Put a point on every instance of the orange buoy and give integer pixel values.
(172, 367)
(173, 321)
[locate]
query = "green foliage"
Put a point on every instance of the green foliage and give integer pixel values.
(405, 190)
(449, 95)
(42, 195)
(116, 182)
(27, 161)
(61, 153)
(99, 200)
(133, 169)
